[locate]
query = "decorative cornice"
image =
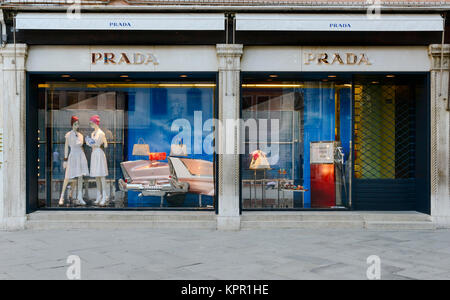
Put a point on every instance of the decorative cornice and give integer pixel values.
(435, 49)
(230, 49)
(19, 50)
(435, 53)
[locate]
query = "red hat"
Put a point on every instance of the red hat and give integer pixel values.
(73, 120)
(95, 119)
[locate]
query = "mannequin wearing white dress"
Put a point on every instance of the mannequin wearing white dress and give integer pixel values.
(75, 162)
(99, 166)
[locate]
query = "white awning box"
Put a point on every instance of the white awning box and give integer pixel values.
(126, 21)
(338, 22)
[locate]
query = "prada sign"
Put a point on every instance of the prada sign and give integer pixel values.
(123, 58)
(336, 58)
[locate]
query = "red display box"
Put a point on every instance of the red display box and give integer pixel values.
(323, 187)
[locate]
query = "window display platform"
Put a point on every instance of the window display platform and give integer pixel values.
(64, 219)
(82, 219)
(270, 193)
(402, 220)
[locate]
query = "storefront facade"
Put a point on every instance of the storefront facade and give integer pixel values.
(227, 128)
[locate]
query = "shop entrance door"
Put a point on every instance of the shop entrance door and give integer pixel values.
(391, 143)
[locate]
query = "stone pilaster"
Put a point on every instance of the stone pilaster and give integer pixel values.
(13, 125)
(229, 56)
(440, 136)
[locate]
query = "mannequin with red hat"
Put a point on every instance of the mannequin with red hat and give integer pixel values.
(99, 166)
(75, 162)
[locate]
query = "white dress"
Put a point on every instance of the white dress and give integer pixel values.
(99, 166)
(76, 162)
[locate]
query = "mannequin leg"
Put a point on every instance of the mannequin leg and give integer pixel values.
(80, 200)
(99, 191)
(104, 194)
(61, 199)
(72, 184)
(86, 190)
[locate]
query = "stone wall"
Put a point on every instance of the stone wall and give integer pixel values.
(13, 126)
(12, 123)
(440, 135)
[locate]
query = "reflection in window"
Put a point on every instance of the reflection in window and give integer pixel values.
(312, 116)
(136, 123)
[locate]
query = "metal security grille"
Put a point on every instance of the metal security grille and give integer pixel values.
(384, 130)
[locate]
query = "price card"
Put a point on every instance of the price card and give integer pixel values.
(322, 152)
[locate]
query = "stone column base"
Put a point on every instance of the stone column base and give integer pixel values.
(228, 223)
(13, 223)
(441, 221)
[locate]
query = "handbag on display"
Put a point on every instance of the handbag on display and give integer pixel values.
(178, 149)
(141, 149)
(259, 161)
(90, 141)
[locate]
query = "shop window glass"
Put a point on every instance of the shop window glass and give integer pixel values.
(118, 140)
(360, 142)
(308, 146)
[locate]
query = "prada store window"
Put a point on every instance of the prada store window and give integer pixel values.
(334, 141)
(126, 145)
(305, 159)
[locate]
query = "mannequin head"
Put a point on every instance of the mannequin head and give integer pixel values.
(94, 121)
(75, 123)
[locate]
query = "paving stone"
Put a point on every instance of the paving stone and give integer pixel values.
(4, 276)
(205, 254)
(50, 264)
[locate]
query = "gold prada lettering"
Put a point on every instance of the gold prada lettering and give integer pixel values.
(337, 58)
(363, 59)
(96, 57)
(109, 58)
(351, 59)
(123, 58)
(309, 58)
(323, 58)
(139, 59)
(151, 59)
(347, 58)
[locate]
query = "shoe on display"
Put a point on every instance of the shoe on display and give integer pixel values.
(80, 199)
(61, 201)
(98, 200)
(105, 201)
(79, 202)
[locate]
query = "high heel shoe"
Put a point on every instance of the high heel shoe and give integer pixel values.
(98, 199)
(105, 201)
(80, 202)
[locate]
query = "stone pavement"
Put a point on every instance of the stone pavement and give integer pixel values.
(207, 254)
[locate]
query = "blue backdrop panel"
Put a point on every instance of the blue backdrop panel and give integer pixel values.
(319, 125)
(345, 96)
